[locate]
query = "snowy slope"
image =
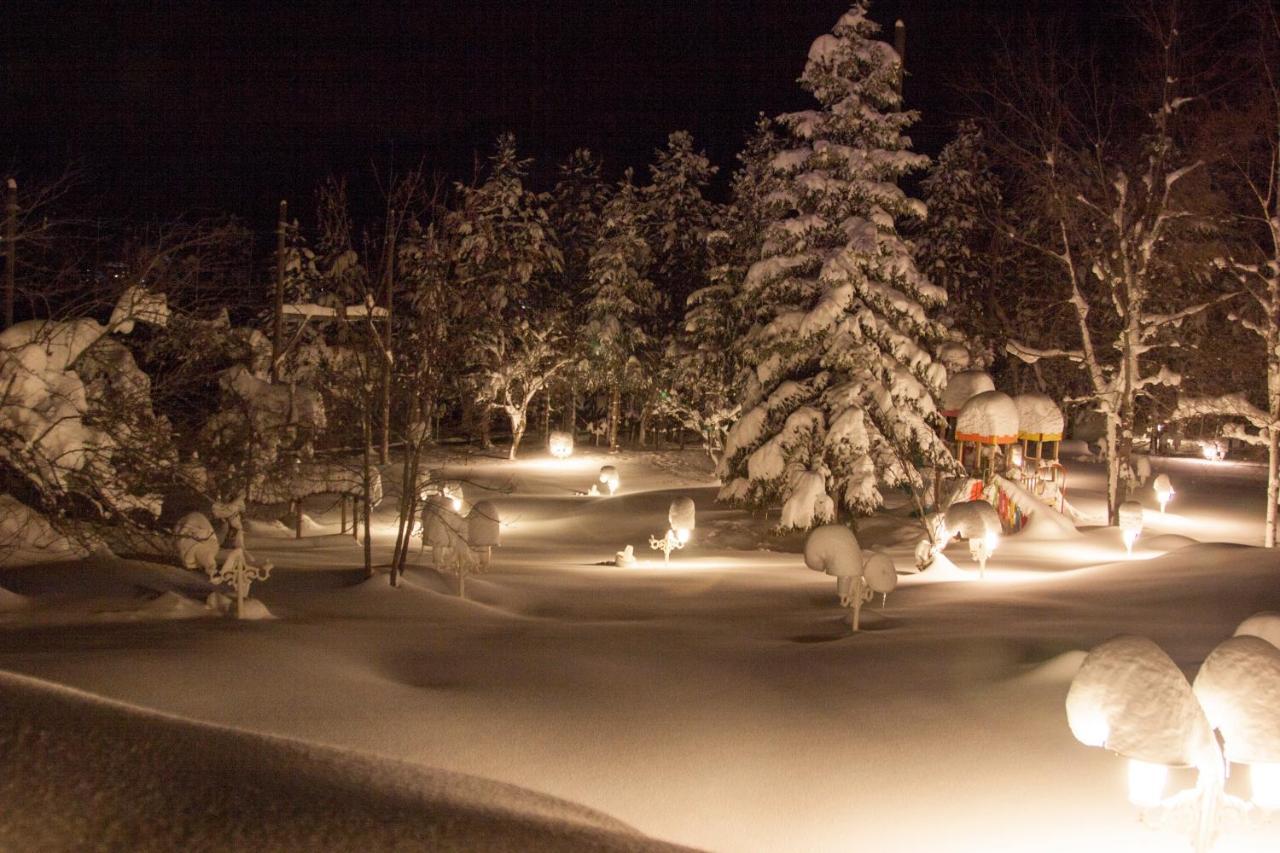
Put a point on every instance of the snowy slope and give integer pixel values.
(77, 771)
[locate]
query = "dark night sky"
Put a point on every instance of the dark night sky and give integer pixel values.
(201, 106)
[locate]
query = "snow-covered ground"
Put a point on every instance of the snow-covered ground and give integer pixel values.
(718, 701)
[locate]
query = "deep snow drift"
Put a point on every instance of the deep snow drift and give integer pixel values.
(720, 701)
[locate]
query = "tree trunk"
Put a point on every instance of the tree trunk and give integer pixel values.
(1273, 484)
(546, 415)
(615, 414)
(1113, 469)
(569, 421)
(517, 430)
(486, 427)
(366, 488)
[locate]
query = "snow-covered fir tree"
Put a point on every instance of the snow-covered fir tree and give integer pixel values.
(620, 306)
(955, 248)
(705, 358)
(840, 402)
(505, 255)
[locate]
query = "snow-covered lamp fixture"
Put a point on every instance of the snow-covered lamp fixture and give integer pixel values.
(1130, 524)
(834, 550)
(453, 493)
(560, 444)
(484, 529)
(1213, 451)
(978, 522)
(609, 479)
(1163, 489)
(681, 518)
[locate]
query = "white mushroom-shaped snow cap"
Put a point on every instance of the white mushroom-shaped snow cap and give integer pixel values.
(438, 517)
(961, 387)
(832, 548)
(1265, 625)
(880, 573)
(682, 514)
(560, 444)
(196, 542)
(609, 478)
(955, 358)
(973, 520)
(1131, 698)
(1130, 513)
(1161, 485)
(988, 417)
(1039, 418)
(484, 527)
(1238, 686)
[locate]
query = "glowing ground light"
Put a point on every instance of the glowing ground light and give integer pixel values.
(1146, 782)
(1264, 782)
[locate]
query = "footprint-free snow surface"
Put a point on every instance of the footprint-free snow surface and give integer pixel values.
(718, 701)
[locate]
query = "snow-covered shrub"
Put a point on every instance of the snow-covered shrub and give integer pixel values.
(196, 542)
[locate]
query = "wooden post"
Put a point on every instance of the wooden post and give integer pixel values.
(342, 499)
(297, 519)
(277, 329)
(10, 248)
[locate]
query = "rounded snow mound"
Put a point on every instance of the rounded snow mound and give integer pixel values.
(1265, 625)
(1130, 697)
(1039, 418)
(182, 785)
(1239, 687)
(989, 416)
(964, 385)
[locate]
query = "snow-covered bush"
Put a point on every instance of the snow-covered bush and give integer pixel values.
(196, 542)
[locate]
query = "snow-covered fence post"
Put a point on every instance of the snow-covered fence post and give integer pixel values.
(235, 569)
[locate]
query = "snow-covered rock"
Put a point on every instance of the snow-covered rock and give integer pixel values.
(1265, 625)
(963, 385)
(1131, 698)
(1039, 418)
(1238, 686)
(987, 417)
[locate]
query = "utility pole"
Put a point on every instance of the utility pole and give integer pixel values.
(277, 332)
(900, 45)
(388, 268)
(10, 248)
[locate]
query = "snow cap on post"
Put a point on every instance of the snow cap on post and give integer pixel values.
(832, 548)
(1238, 686)
(973, 519)
(484, 527)
(437, 515)
(682, 514)
(879, 571)
(1132, 699)
(1130, 513)
(963, 386)
(1162, 484)
(1039, 418)
(988, 418)
(1265, 625)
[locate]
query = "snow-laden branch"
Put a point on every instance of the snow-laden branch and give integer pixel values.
(1227, 405)
(1031, 355)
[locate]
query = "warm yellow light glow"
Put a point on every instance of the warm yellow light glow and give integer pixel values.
(683, 535)
(1146, 782)
(1264, 780)
(1130, 536)
(457, 504)
(1091, 730)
